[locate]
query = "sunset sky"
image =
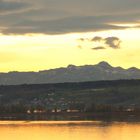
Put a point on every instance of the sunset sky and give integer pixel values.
(43, 34)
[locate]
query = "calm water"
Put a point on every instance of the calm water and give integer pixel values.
(65, 130)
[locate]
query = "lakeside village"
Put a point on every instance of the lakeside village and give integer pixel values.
(52, 104)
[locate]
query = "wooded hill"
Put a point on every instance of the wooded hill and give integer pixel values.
(120, 92)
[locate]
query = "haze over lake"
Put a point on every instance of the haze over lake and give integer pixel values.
(68, 130)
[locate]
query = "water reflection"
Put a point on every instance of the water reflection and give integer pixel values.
(67, 130)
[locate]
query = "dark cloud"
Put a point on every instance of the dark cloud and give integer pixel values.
(81, 39)
(11, 6)
(96, 38)
(98, 48)
(113, 42)
(64, 16)
(59, 26)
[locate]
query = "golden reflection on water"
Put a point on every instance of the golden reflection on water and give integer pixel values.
(65, 130)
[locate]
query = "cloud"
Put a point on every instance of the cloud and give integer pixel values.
(99, 48)
(96, 38)
(63, 16)
(81, 39)
(11, 6)
(112, 42)
(59, 26)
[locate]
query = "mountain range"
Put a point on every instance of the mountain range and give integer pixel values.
(71, 73)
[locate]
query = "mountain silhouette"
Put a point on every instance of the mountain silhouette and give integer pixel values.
(71, 73)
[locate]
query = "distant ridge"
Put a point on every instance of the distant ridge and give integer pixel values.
(72, 73)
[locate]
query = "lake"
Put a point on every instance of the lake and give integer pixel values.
(69, 130)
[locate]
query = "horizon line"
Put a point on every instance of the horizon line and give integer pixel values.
(68, 66)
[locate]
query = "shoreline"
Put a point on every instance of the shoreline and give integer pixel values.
(78, 116)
